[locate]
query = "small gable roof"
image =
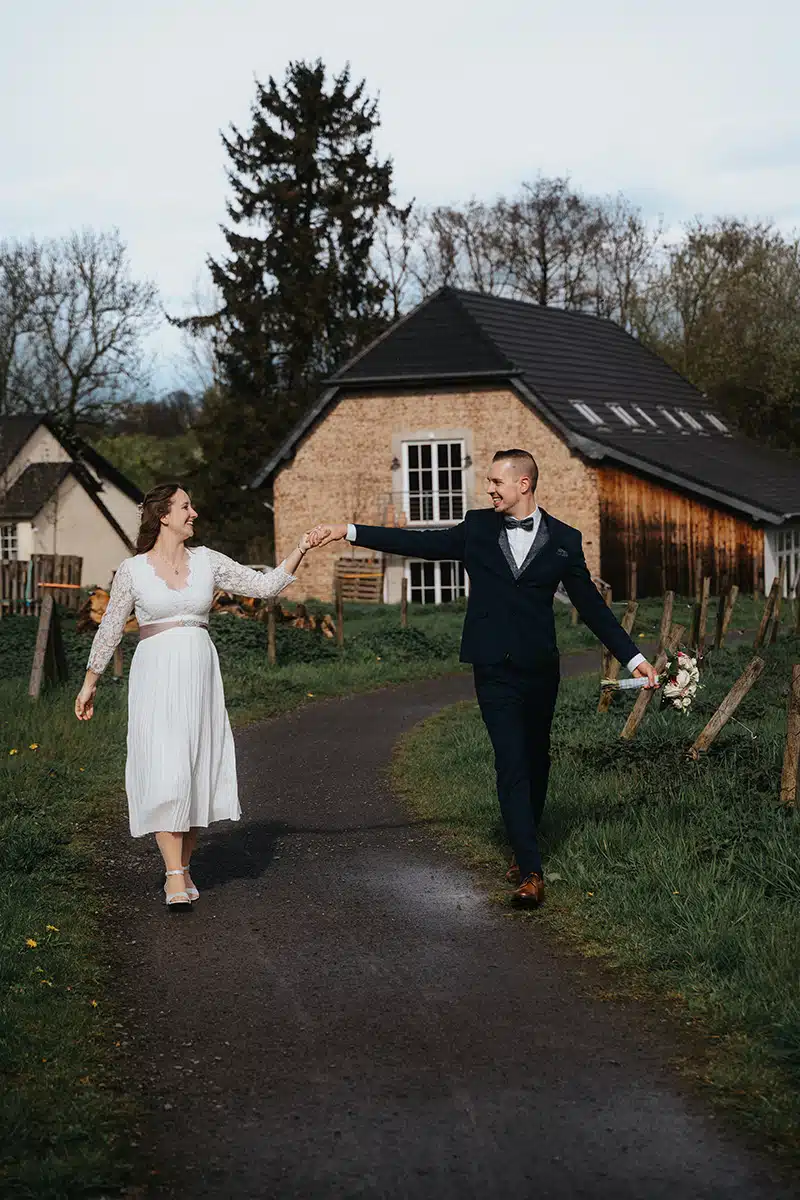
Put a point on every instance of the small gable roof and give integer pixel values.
(31, 491)
(14, 433)
(572, 368)
(17, 430)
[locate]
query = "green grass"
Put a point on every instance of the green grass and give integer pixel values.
(684, 877)
(64, 1116)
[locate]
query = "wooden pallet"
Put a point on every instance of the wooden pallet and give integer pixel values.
(359, 579)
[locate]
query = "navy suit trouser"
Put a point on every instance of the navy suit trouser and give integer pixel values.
(517, 706)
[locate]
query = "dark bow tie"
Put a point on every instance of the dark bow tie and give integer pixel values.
(513, 523)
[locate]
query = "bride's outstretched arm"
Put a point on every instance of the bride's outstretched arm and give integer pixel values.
(233, 577)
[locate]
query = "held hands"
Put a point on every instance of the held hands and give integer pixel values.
(646, 671)
(328, 533)
(311, 538)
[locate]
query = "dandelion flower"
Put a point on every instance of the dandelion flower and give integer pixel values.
(49, 982)
(33, 746)
(13, 752)
(52, 929)
(81, 768)
(309, 693)
(31, 942)
(93, 1003)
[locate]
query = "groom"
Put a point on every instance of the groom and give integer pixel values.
(515, 557)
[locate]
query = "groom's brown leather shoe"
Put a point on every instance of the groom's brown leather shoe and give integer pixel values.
(512, 874)
(530, 892)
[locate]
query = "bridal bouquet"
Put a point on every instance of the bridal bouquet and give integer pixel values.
(681, 679)
(678, 682)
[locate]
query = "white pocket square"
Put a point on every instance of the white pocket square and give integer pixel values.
(562, 552)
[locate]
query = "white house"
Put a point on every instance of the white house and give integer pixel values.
(59, 496)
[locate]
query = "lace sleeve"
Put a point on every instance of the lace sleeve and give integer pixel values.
(232, 577)
(112, 626)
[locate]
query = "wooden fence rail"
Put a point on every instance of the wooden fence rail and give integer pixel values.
(21, 580)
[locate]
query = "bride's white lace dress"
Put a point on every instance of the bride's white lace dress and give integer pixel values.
(181, 766)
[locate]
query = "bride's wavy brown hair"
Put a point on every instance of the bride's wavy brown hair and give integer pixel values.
(155, 505)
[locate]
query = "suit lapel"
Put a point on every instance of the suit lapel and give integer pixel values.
(506, 550)
(541, 540)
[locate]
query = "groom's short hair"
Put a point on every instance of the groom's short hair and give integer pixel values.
(525, 462)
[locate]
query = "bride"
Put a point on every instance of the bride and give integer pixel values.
(181, 768)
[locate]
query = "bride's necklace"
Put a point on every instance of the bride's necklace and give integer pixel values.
(164, 559)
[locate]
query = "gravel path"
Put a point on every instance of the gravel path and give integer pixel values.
(345, 1013)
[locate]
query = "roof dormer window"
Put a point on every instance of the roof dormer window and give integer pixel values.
(716, 422)
(691, 421)
(645, 416)
(672, 419)
(587, 413)
(623, 415)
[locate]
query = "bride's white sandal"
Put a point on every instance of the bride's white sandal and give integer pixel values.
(178, 900)
(191, 890)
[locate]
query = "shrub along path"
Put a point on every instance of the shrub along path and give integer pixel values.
(344, 1013)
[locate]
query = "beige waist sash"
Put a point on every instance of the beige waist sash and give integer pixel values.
(146, 631)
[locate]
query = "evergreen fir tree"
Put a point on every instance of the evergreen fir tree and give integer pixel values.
(299, 295)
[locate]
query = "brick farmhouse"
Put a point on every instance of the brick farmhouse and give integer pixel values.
(628, 451)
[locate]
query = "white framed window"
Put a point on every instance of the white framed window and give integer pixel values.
(782, 546)
(716, 422)
(645, 416)
(673, 420)
(587, 413)
(435, 582)
(623, 415)
(9, 544)
(433, 481)
(691, 421)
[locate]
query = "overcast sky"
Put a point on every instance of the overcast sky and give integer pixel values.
(112, 109)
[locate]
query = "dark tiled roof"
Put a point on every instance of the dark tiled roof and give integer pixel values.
(14, 433)
(556, 359)
(16, 430)
(444, 343)
(35, 486)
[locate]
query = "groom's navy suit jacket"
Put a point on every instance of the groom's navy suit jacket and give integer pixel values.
(510, 609)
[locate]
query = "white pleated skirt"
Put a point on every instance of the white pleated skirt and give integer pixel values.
(181, 766)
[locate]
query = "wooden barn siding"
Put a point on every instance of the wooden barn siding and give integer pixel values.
(665, 531)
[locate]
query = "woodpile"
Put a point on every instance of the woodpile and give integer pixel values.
(93, 609)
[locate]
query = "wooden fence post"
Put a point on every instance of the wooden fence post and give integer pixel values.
(49, 660)
(766, 616)
(339, 615)
(774, 625)
(632, 581)
(643, 699)
(272, 654)
(797, 605)
(573, 616)
(702, 620)
(404, 603)
(722, 601)
(612, 672)
(40, 650)
(791, 755)
(725, 613)
(727, 708)
(666, 620)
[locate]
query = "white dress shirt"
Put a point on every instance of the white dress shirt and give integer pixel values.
(520, 542)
